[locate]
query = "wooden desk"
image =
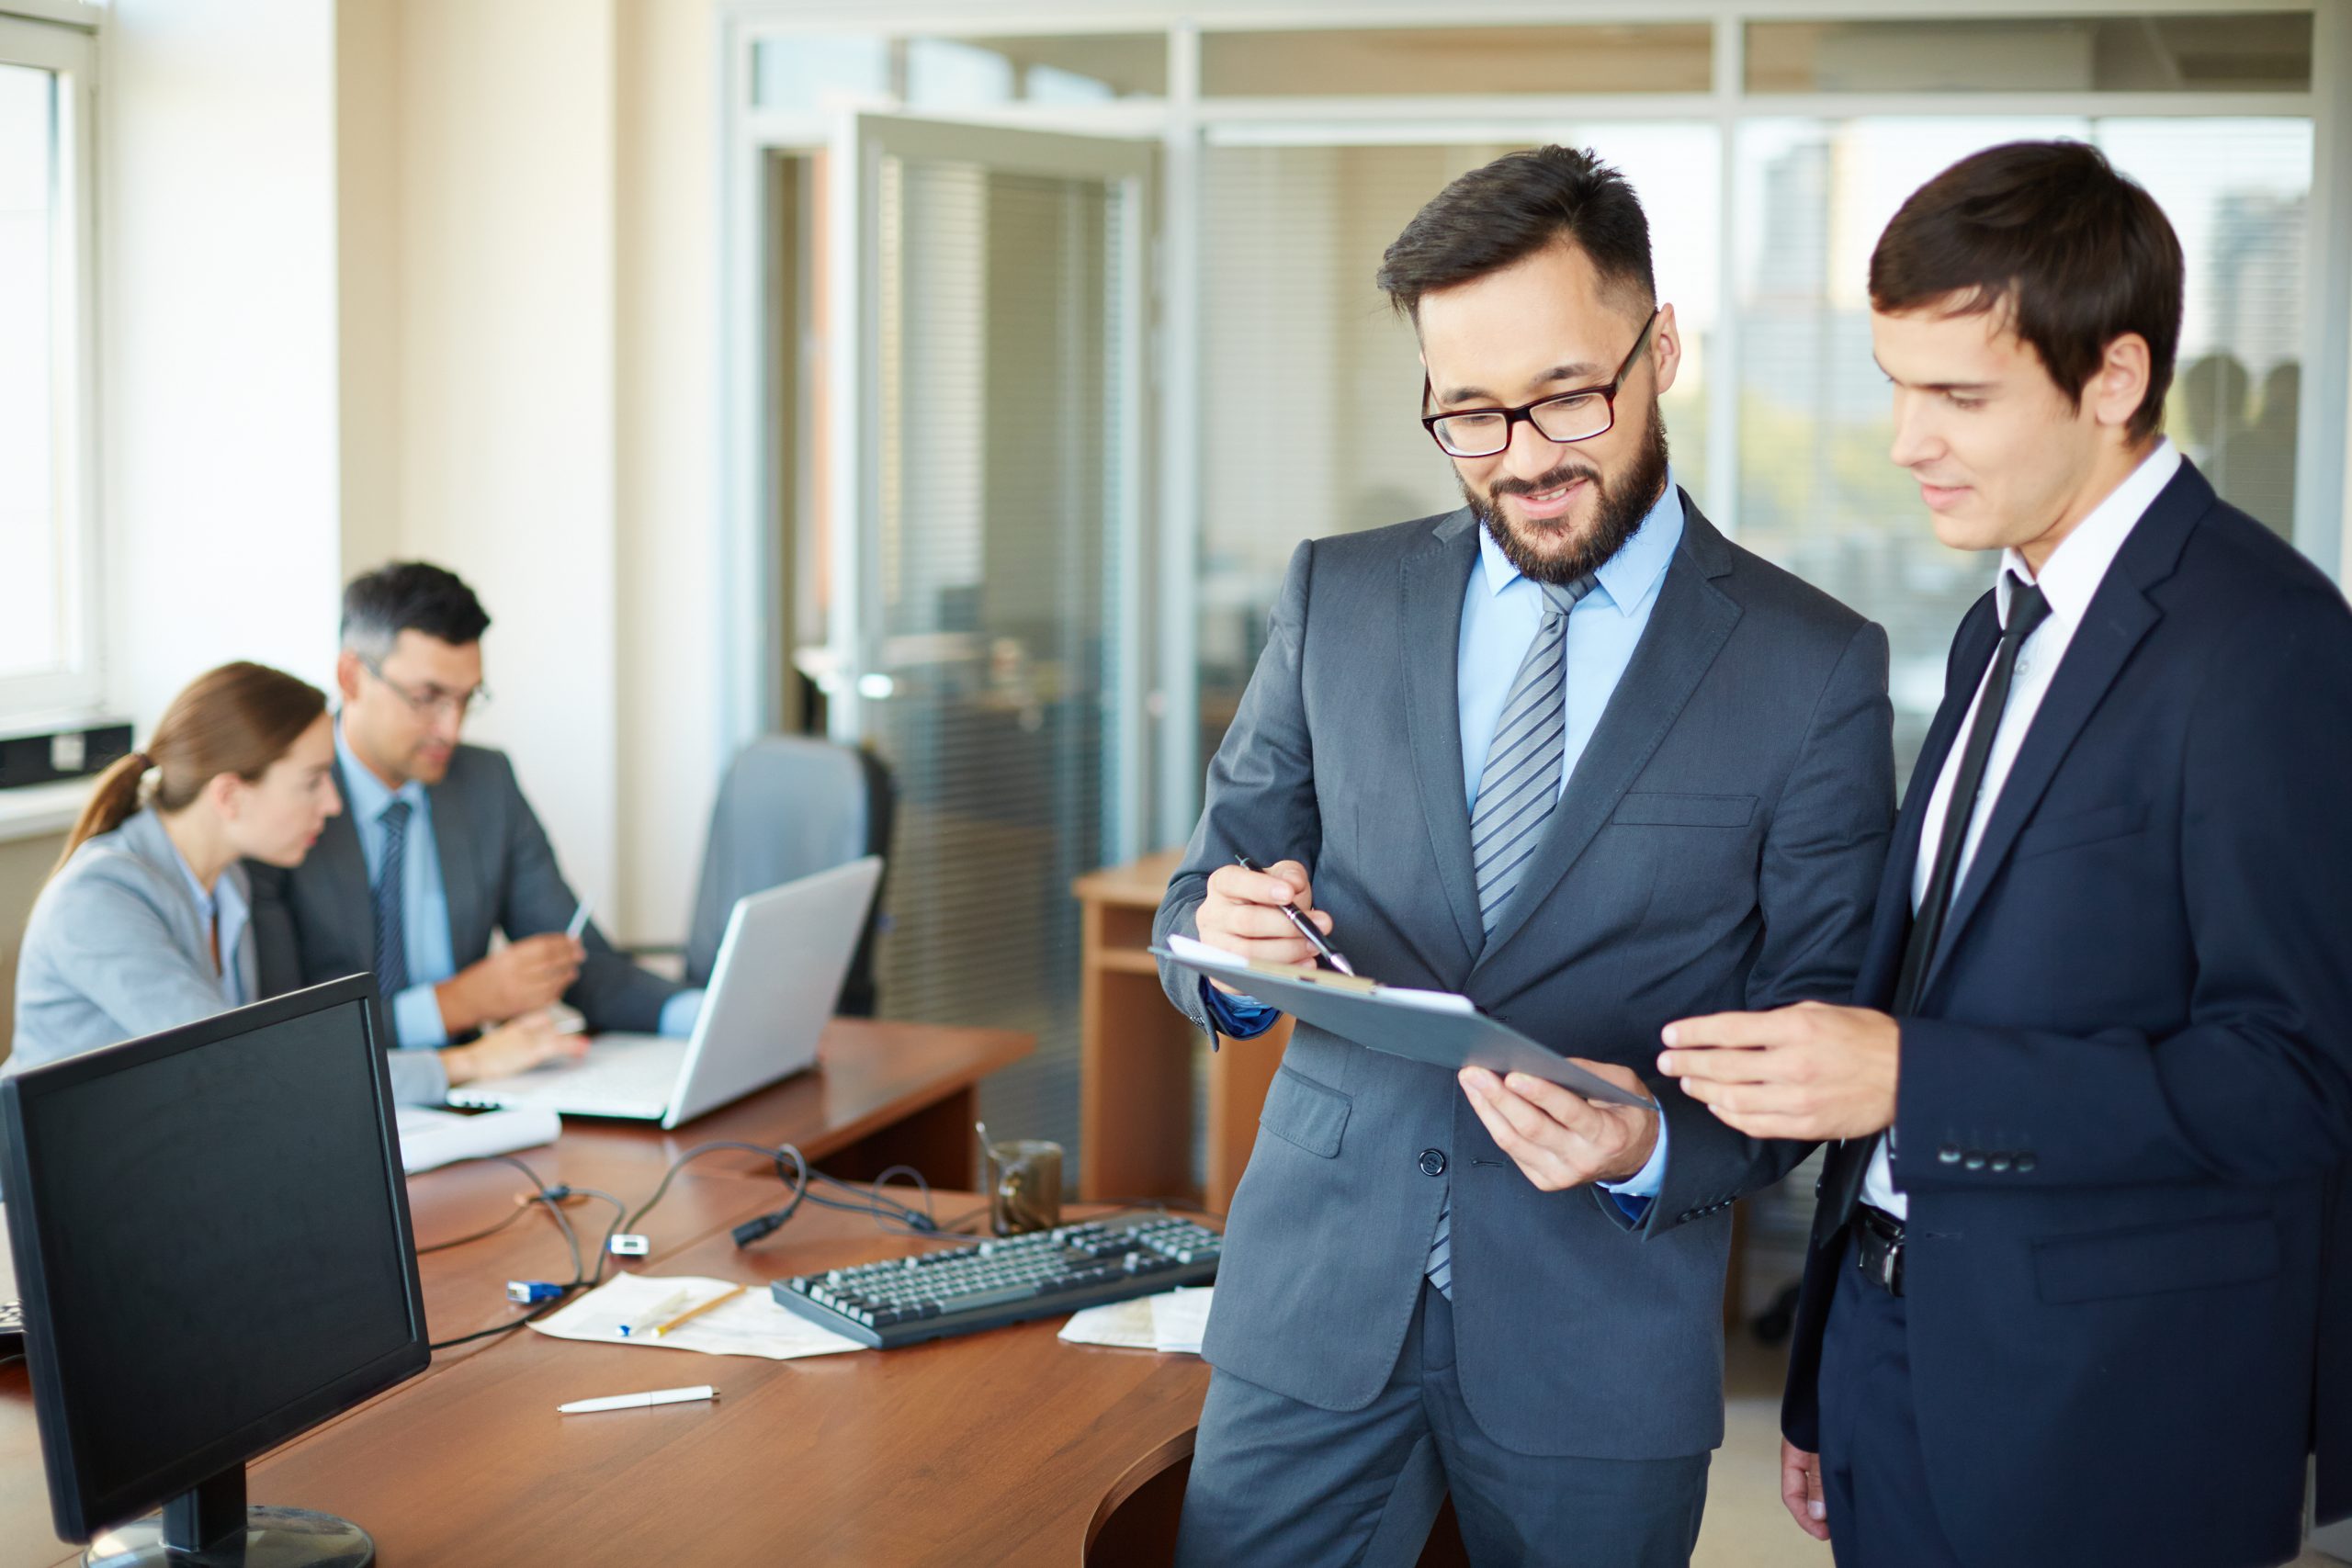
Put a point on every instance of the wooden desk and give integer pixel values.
(883, 1093)
(1003, 1447)
(464, 1287)
(1135, 1056)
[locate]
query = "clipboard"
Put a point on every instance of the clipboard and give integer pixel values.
(1416, 1025)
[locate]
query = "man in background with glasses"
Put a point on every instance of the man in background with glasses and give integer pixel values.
(1569, 751)
(438, 850)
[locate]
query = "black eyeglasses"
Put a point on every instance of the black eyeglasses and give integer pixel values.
(432, 702)
(1571, 416)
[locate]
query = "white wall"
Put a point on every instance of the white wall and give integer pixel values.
(528, 219)
(219, 469)
(668, 453)
(505, 417)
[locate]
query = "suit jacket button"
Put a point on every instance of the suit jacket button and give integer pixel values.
(1999, 1159)
(1433, 1162)
(1973, 1160)
(1948, 1153)
(2025, 1160)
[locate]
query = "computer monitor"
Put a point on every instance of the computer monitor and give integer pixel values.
(211, 1238)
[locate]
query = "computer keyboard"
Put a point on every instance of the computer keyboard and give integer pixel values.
(904, 1301)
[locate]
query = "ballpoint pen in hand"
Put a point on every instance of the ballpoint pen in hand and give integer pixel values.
(1330, 954)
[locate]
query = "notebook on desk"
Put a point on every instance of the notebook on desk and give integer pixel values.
(779, 973)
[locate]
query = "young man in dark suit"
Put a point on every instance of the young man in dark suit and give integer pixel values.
(2067, 1297)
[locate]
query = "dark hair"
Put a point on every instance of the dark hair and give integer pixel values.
(1500, 215)
(409, 596)
(2077, 255)
(237, 719)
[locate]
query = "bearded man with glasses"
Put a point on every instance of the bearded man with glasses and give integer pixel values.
(438, 851)
(1571, 753)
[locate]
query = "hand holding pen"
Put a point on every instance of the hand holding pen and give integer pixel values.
(1266, 915)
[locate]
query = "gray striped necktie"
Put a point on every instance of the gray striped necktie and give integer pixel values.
(1517, 790)
(391, 944)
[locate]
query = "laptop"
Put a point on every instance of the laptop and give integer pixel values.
(772, 991)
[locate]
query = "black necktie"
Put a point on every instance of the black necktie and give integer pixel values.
(1848, 1163)
(2028, 609)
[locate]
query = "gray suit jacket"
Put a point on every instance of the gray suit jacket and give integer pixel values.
(1717, 847)
(118, 948)
(315, 923)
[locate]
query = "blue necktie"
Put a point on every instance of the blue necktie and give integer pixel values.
(1518, 787)
(391, 943)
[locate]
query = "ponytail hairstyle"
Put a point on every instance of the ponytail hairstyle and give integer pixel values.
(237, 719)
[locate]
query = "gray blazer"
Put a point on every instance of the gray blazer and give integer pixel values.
(1717, 847)
(315, 923)
(118, 948)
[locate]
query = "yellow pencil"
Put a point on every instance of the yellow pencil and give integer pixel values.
(661, 1328)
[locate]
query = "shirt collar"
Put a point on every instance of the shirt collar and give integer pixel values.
(2079, 564)
(206, 903)
(368, 793)
(1626, 577)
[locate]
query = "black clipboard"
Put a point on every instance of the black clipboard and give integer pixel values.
(1357, 1010)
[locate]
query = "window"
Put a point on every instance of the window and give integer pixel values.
(47, 630)
(1817, 491)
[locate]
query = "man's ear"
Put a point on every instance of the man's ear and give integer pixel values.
(2117, 386)
(347, 675)
(1665, 349)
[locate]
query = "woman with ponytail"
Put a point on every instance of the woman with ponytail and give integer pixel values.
(144, 923)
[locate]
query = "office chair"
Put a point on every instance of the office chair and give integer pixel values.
(791, 806)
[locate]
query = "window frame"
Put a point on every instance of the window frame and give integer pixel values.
(1184, 124)
(45, 40)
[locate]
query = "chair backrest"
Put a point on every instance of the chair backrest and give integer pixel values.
(788, 807)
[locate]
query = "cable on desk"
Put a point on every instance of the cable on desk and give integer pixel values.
(765, 1151)
(552, 1199)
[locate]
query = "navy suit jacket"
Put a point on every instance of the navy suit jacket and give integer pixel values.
(2126, 1098)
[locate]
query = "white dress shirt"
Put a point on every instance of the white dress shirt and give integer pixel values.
(2068, 579)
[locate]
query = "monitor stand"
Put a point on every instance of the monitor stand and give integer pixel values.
(210, 1527)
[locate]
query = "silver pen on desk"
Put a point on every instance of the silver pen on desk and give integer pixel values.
(1330, 954)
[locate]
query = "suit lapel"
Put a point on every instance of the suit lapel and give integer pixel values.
(453, 836)
(1972, 646)
(1432, 580)
(2121, 614)
(1687, 627)
(339, 866)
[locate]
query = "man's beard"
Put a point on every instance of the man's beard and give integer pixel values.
(1620, 505)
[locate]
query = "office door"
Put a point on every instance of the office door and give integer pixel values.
(994, 289)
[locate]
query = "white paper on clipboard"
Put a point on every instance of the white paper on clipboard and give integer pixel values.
(1436, 1027)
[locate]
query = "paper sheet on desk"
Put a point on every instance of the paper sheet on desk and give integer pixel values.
(750, 1324)
(430, 1138)
(1175, 1320)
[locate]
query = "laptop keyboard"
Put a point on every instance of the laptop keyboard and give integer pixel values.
(903, 1301)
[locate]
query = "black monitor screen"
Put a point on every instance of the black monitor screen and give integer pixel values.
(222, 1249)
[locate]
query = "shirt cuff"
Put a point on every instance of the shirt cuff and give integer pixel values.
(1237, 1018)
(1634, 1194)
(416, 1018)
(679, 1013)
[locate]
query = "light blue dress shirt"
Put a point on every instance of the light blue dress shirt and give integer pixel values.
(225, 910)
(1501, 610)
(425, 906)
